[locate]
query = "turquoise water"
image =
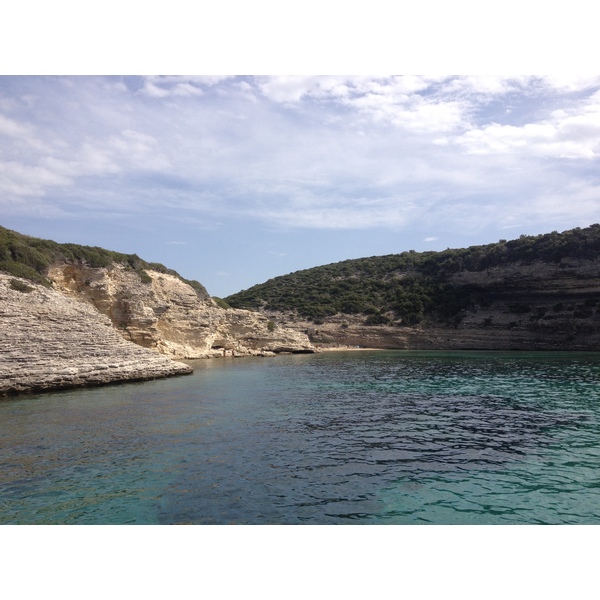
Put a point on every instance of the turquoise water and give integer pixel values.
(353, 438)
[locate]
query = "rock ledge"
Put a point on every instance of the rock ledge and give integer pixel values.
(50, 342)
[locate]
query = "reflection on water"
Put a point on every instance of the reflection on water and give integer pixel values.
(369, 437)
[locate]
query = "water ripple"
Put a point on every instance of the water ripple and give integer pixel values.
(382, 437)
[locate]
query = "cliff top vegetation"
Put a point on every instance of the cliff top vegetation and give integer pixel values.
(30, 258)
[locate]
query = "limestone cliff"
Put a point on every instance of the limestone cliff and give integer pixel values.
(165, 314)
(79, 315)
(519, 306)
(50, 341)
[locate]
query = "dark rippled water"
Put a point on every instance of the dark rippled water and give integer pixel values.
(365, 437)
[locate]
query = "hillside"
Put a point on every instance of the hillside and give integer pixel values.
(532, 292)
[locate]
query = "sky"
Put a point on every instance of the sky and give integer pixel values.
(232, 180)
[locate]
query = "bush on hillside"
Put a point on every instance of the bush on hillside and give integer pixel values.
(413, 286)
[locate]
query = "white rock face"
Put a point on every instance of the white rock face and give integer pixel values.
(166, 314)
(105, 325)
(51, 341)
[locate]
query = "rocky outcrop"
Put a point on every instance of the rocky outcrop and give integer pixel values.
(109, 324)
(519, 306)
(165, 314)
(50, 341)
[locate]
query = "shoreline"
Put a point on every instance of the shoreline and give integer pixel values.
(344, 348)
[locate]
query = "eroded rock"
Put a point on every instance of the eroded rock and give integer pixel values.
(166, 314)
(51, 341)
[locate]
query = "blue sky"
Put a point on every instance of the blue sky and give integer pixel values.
(233, 180)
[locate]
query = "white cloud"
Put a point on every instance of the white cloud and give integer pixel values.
(430, 116)
(308, 152)
(286, 88)
(11, 128)
(96, 159)
(391, 100)
(573, 133)
(332, 218)
(18, 180)
(176, 85)
(482, 85)
(153, 90)
(31, 167)
(137, 150)
(318, 210)
(570, 83)
(22, 135)
(186, 89)
(340, 88)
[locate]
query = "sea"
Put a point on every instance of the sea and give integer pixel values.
(352, 438)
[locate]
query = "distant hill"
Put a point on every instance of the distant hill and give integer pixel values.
(30, 257)
(537, 285)
(411, 285)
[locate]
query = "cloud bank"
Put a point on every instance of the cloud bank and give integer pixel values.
(339, 153)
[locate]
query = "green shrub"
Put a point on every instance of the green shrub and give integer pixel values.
(220, 302)
(20, 286)
(144, 277)
(377, 320)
